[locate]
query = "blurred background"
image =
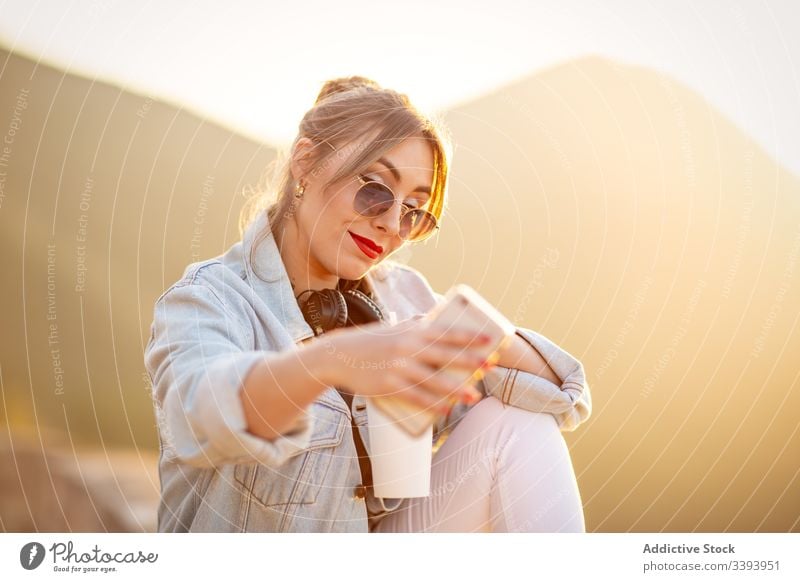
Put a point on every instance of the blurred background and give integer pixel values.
(626, 181)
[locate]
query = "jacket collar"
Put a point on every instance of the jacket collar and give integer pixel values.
(275, 289)
(273, 286)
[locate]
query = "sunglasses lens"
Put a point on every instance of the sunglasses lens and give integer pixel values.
(417, 225)
(373, 199)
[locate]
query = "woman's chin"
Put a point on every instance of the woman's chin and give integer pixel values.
(356, 269)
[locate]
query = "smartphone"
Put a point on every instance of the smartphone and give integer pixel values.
(462, 308)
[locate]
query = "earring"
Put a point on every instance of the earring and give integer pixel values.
(299, 190)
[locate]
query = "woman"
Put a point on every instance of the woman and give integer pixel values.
(261, 403)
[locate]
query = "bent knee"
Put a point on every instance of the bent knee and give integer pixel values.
(491, 406)
(499, 422)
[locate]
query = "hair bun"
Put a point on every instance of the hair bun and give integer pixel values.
(342, 84)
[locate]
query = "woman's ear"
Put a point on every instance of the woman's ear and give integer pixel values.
(302, 157)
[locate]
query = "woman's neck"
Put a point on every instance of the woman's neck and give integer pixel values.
(303, 269)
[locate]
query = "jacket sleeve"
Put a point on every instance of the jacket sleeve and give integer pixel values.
(197, 358)
(570, 404)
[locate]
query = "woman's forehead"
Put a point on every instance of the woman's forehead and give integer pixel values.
(412, 159)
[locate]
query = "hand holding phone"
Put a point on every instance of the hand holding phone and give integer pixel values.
(462, 308)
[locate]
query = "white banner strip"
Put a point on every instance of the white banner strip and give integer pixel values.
(406, 557)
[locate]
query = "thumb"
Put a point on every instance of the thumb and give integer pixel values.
(409, 321)
(413, 319)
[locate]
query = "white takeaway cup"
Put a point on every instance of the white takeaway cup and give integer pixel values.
(401, 463)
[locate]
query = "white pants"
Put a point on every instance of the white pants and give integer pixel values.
(502, 469)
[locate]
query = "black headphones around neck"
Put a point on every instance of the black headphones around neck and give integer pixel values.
(329, 309)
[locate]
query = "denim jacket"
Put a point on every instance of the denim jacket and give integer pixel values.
(212, 326)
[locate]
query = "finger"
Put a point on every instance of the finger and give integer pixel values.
(454, 335)
(439, 382)
(418, 316)
(425, 400)
(410, 390)
(439, 356)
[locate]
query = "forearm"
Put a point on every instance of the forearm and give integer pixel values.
(519, 354)
(276, 391)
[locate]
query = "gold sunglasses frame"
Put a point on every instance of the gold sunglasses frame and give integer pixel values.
(403, 208)
(404, 211)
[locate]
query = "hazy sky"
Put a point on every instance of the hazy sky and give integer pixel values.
(257, 66)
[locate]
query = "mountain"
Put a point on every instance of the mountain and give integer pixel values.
(604, 205)
(108, 196)
(614, 210)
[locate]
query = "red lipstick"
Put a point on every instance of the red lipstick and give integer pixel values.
(367, 246)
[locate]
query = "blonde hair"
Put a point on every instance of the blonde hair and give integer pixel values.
(346, 110)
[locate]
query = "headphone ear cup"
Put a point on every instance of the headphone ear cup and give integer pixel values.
(324, 310)
(361, 308)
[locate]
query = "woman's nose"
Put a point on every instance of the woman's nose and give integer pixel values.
(389, 222)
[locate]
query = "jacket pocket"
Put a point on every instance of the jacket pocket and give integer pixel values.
(300, 479)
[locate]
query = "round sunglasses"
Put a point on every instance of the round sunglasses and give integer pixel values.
(374, 199)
